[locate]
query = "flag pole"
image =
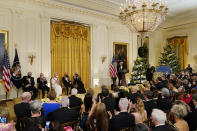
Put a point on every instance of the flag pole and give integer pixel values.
(15, 46)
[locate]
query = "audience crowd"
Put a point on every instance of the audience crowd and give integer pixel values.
(168, 103)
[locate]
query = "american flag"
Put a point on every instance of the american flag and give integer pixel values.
(6, 72)
(113, 68)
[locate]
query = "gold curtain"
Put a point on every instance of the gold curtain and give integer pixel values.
(182, 44)
(70, 50)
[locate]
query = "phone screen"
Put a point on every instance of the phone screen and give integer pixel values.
(47, 124)
(3, 120)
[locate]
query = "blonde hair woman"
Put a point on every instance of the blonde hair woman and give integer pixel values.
(140, 113)
(180, 111)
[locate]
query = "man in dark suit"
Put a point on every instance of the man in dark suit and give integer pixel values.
(77, 83)
(67, 82)
(149, 103)
(64, 114)
(23, 109)
(28, 85)
(109, 101)
(134, 94)
(159, 119)
(161, 83)
(74, 101)
(192, 116)
(164, 103)
(120, 72)
(42, 84)
(123, 119)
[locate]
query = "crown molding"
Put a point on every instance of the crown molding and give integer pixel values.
(71, 9)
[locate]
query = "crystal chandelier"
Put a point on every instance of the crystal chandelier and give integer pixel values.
(143, 16)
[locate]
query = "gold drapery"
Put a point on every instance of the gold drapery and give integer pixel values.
(182, 44)
(70, 50)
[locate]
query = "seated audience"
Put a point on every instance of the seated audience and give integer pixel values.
(42, 84)
(97, 118)
(192, 116)
(56, 85)
(140, 113)
(23, 109)
(67, 82)
(159, 118)
(64, 114)
(163, 102)
(29, 85)
(77, 83)
(74, 101)
(5, 125)
(179, 111)
(52, 104)
(36, 121)
(123, 119)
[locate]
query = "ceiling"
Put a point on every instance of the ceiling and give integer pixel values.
(180, 11)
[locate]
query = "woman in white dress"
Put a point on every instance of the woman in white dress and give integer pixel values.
(55, 84)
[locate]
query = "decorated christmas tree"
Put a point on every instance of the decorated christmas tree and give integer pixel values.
(139, 70)
(169, 58)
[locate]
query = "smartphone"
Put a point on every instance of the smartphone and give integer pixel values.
(47, 125)
(3, 119)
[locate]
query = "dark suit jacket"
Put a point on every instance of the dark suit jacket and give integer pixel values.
(133, 97)
(22, 110)
(75, 101)
(63, 115)
(192, 120)
(40, 83)
(162, 128)
(67, 83)
(149, 106)
(164, 104)
(110, 103)
(26, 82)
(120, 71)
(121, 121)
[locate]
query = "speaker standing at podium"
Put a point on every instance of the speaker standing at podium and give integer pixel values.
(121, 73)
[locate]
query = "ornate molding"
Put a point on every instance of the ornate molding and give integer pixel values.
(70, 8)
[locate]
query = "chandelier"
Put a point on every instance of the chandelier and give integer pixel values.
(143, 16)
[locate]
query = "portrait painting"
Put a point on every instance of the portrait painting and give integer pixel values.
(121, 53)
(3, 47)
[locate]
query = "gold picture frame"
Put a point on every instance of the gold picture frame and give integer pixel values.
(121, 53)
(3, 39)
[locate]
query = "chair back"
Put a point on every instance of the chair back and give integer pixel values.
(73, 124)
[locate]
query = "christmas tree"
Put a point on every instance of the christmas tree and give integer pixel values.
(139, 70)
(169, 58)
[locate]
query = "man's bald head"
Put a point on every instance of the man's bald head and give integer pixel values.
(26, 97)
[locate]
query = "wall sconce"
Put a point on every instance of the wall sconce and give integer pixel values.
(103, 58)
(31, 57)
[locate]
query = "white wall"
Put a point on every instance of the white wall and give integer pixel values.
(28, 24)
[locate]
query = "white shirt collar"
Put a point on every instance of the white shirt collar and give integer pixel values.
(159, 125)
